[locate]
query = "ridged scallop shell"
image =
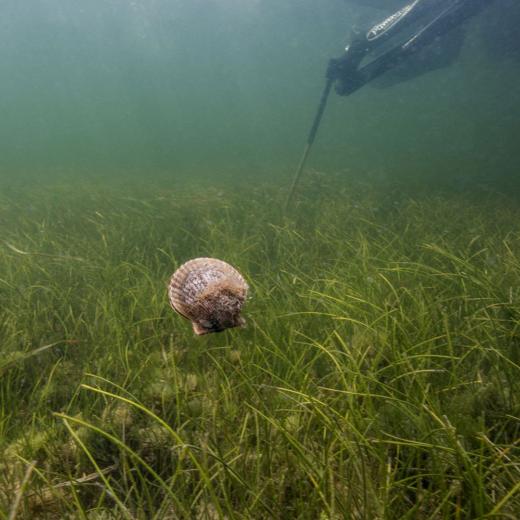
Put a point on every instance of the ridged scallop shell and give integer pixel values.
(210, 293)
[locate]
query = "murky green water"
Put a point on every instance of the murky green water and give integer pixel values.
(231, 86)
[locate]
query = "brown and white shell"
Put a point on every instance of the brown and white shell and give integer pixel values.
(210, 293)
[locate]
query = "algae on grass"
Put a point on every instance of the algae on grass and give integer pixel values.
(378, 376)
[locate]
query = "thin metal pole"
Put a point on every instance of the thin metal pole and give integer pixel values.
(310, 140)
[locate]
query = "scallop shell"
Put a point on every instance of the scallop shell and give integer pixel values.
(210, 293)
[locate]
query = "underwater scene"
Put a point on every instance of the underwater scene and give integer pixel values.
(260, 259)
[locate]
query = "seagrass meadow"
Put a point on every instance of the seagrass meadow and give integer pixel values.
(378, 376)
